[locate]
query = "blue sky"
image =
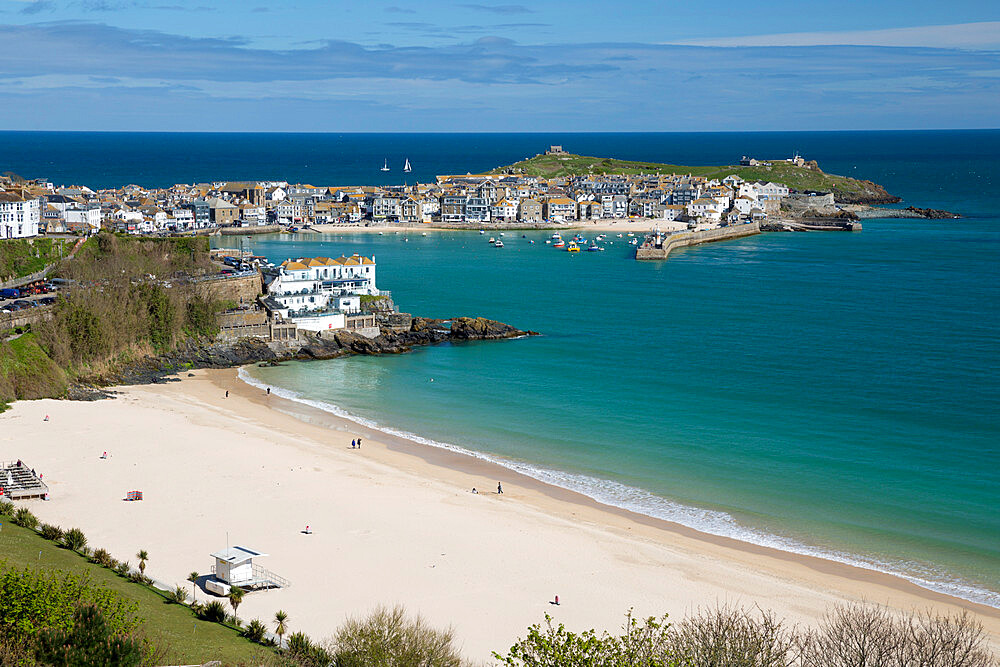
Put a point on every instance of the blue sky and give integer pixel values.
(478, 66)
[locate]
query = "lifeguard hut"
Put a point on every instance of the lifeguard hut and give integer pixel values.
(235, 566)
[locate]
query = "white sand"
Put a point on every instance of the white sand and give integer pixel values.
(392, 522)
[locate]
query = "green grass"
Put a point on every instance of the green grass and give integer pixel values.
(26, 371)
(797, 178)
(21, 257)
(172, 626)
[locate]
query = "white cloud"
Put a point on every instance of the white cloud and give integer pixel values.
(973, 36)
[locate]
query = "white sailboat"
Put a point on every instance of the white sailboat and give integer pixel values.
(406, 167)
(385, 166)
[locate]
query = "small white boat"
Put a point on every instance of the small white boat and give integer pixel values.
(501, 233)
(385, 166)
(498, 244)
(406, 167)
(424, 234)
(556, 236)
(547, 241)
(381, 233)
(482, 231)
(492, 240)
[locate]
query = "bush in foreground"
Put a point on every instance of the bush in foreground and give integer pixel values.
(853, 635)
(392, 637)
(90, 641)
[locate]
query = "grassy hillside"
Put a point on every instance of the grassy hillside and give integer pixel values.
(129, 306)
(847, 190)
(26, 371)
(172, 626)
(21, 257)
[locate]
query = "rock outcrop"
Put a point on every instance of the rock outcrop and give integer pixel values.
(195, 354)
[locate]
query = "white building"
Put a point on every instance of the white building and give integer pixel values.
(19, 217)
(317, 293)
(85, 220)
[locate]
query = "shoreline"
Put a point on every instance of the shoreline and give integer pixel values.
(456, 457)
(396, 520)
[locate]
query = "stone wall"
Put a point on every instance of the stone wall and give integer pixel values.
(649, 251)
(238, 289)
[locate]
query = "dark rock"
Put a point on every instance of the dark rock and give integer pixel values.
(932, 213)
(201, 354)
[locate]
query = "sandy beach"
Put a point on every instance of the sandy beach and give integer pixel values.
(392, 522)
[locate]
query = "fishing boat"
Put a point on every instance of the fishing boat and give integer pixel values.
(634, 242)
(492, 240)
(406, 167)
(559, 244)
(573, 247)
(556, 236)
(385, 166)
(594, 247)
(498, 244)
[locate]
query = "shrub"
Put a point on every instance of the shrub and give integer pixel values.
(305, 653)
(123, 568)
(7, 508)
(733, 636)
(74, 539)
(50, 532)
(255, 630)
(102, 557)
(391, 637)
(31, 600)
(214, 611)
(90, 641)
(874, 636)
(178, 595)
(24, 518)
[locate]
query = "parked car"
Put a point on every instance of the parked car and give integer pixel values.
(47, 301)
(11, 293)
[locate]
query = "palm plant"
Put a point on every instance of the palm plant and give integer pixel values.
(74, 539)
(24, 518)
(179, 595)
(255, 630)
(280, 625)
(143, 556)
(235, 597)
(214, 611)
(7, 508)
(193, 578)
(51, 532)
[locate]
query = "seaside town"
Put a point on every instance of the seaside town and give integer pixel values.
(37, 206)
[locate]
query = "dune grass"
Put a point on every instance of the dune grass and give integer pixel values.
(186, 639)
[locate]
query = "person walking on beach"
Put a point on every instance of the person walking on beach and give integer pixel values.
(359, 443)
(268, 391)
(227, 393)
(499, 488)
(353, 443)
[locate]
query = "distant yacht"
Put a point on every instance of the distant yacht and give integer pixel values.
(406, 167)
(385, 166)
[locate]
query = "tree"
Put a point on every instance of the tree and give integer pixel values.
(280, 624)
(143, 556)
(90, 642)
(235, 597)
(193, 578)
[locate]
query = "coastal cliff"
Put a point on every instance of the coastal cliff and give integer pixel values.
(198, 354)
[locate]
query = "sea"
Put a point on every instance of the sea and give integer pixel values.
(834, 394)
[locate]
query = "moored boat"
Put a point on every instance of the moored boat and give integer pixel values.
(573, 247)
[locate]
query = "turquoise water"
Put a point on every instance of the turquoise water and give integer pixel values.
(826, 393)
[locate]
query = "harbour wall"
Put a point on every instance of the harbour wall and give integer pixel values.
(649, 250)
